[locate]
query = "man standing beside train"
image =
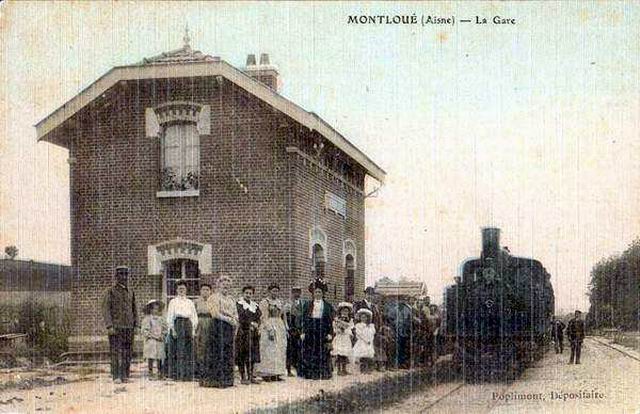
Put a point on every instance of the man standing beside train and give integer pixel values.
(558, 334)
(575, 332)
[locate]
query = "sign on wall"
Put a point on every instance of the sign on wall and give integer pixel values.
(335, 203)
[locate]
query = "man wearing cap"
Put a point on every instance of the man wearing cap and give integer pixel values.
(120, 319)
(575, 333)
(293, 313)
(367, 303)
(557, 330)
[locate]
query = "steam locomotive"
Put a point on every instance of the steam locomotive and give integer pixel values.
(498, 313)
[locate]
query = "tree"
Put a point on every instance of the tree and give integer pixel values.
(614, 291)
(11, 251)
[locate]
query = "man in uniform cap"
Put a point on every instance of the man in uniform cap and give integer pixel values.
(120, 319)
(575, 332)
(367, 303)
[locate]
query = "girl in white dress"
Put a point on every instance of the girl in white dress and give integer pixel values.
(363, 350)
(342, 341)
(154, 330)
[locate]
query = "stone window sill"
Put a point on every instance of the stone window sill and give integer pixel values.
(179, 193)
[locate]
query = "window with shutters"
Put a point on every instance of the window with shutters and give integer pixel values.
(180, 157)
(179, 127)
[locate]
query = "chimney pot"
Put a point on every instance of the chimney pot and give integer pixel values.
(263, 72)
(490, 242)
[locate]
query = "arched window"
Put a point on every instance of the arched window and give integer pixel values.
(180, 157)
(178, 125)
(349, 249)
(181, 269)
(319, 237)
(349, 278)
(179, 259)
(318, 260)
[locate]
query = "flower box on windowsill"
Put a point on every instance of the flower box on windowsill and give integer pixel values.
(178, 193)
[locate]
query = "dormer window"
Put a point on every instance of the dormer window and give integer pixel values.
(178, 125)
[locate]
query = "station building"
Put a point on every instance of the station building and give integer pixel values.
(183, 166)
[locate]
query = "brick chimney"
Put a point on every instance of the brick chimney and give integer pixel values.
(264, 72)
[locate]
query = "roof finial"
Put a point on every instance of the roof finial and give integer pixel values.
(186, 37)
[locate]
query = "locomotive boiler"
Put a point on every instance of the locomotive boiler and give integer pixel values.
(498, 313)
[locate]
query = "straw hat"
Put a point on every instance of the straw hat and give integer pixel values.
(345, 305)
(365, 311)
(147, 307)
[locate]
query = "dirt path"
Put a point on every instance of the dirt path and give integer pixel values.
(142, 396)
(607, 376)
(606, 382)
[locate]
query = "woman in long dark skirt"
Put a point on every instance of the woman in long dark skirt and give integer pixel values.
(248, 336)
(204, 326)
(182, 320)
(316, 336)
(219, 345)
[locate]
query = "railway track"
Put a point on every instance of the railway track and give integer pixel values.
(616, 348)
(451, 400)
(448, 394)
(551, 385)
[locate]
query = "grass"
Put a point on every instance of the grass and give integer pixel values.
(47, 327)
(368, 397)
(628, 339)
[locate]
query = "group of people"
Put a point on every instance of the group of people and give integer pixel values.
(202, 339)
(384, 335)
(575, 332)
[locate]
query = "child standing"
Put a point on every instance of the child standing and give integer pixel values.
(154, 329)
(363, 350)
(342, 341)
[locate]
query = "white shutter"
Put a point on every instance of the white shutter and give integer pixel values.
(204, 120)
(151, 125)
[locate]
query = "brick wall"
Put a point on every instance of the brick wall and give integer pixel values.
(310, 183)
(257, 237)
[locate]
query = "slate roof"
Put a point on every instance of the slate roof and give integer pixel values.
(185, 62)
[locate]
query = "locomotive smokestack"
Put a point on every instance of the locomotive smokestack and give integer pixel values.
(490, 242)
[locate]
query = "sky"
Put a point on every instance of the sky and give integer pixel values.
(531, 127)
